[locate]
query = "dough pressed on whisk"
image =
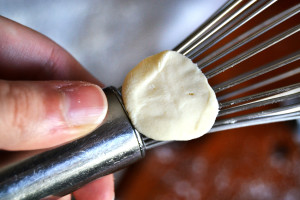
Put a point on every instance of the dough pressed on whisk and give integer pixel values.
(167, 97)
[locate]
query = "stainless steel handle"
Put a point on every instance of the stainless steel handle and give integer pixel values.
(111, 147)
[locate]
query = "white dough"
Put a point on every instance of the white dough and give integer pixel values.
(167, 97)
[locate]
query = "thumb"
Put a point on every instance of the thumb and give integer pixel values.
(36, 114)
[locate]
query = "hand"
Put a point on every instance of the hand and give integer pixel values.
(40, 110)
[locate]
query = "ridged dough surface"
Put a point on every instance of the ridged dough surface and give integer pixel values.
(167, 97)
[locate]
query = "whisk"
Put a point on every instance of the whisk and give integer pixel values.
(261, 94)
(224, 22)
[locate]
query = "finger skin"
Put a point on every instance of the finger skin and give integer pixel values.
(67, 197)
(38, 114)
(28, 55)
(100, 189)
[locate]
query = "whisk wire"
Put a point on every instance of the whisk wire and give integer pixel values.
(263, 83)
(259, 95)
(257, 72)
(210, 22)
(270, 100)
(280, 114)
(238, 21)
(251, 52)
(248, 36)
(198, 43)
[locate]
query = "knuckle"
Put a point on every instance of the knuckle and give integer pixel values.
(15, 106)
(51, 66)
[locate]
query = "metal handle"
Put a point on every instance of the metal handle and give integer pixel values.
(60, 171)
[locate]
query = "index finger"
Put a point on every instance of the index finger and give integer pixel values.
(28, 55)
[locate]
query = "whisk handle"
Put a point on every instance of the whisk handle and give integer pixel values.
(60, 171)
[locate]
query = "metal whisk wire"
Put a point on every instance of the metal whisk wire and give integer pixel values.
(231, 16)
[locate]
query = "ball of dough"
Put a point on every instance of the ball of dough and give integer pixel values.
(167, 97)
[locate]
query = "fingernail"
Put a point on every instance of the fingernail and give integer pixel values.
(85, 104)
